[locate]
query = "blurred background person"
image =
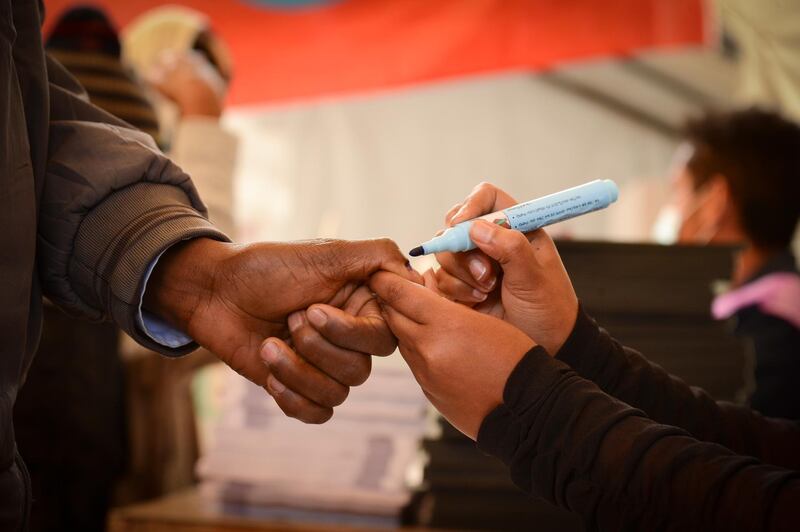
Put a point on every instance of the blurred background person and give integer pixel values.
(739, 184)
(187, 68)
(86, 41)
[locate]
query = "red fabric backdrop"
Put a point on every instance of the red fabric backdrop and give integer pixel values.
(359, 45)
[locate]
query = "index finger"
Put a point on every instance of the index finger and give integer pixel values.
(410, 299)
(364, 257)
(485, 198)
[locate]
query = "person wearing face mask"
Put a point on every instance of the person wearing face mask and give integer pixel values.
(584, 422)
(740, 184)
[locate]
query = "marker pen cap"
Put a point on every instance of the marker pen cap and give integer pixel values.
(611, 190)
(454, 239)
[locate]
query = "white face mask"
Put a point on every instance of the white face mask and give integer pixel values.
(667, 225)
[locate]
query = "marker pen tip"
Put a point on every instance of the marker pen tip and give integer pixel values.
(417, 251)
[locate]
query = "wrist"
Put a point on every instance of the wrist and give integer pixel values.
(200, 105)
(182, 283)
(567, 326)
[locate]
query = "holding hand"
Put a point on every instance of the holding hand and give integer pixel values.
(521, 276)
(190, 81)
(460, 358)
(235, 301)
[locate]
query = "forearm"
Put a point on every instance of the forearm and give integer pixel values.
(628, 376)
(567, 441)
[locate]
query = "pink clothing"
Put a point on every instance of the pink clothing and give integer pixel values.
(777, 294)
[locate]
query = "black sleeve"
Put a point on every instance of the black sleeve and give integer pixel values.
(628, 376)
(567, 441)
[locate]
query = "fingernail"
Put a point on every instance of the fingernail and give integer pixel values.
(296, 320)
(317, 317)
(457, 216)
(482, 232)
(477, 294)
(477, 268)
(271, 353)
(275, 386)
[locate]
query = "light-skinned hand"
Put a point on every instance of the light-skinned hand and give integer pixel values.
(241, 302)
(191, 81)
(519, 278)
(461, 358)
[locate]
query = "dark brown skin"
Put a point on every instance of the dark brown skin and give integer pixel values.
(239, 301)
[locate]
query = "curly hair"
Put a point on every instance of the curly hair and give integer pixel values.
(758, 153)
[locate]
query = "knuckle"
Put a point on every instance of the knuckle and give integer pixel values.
(357, 372)
(445, 285)
(306, 341)
(387, 347)
(394, 293)
(336, 396)
(283, 402)
(447, 263)
(344, 326)
(389, 245)
(317, 416)
(452, 212)
(517, 241)
(294, 409)
(278, 367)
(483, 186)
(381, 340)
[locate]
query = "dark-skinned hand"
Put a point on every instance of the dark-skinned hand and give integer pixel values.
(247, 304)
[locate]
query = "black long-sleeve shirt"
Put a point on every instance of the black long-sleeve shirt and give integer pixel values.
(606, 434)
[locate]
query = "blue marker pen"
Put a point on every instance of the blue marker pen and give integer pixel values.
(530, 215)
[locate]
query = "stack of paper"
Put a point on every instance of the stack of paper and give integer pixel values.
(354, 463)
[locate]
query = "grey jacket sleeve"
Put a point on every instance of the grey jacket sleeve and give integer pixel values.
(111, 204)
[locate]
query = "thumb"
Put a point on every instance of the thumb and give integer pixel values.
(508, 247)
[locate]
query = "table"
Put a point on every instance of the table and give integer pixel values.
(192, 511)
